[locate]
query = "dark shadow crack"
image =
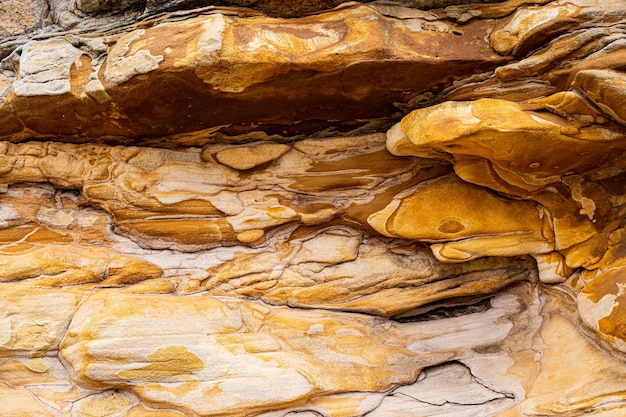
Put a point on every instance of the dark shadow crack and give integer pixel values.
(443, 312)
(401, 394)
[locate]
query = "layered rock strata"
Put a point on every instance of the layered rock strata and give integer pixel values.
(282, 209)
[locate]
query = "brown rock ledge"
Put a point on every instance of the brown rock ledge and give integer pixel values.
(237, 75)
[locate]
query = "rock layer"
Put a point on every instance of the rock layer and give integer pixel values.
(233, 75)
(281, 209)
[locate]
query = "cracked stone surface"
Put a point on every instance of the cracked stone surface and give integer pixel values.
(312, 208)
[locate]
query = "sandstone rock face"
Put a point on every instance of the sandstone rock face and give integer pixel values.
(315, 208)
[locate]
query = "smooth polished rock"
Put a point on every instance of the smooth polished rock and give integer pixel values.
(244, 356)
(59, 265)
(472, 221)
(247, 157)
(21, 402)
(448, 389)
(30, 326)
(490, 129)
(499, 145)
(247, 357)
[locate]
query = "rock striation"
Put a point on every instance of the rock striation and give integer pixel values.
(312, 208)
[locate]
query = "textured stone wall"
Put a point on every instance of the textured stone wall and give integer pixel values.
(312, 208)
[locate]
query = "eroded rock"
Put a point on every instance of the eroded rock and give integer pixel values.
(229, 349)
(226, 349)
(495, 227)
(340, 269)
(201, 213)
(161, 80)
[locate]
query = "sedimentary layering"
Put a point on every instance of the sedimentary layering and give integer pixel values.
(312, 208)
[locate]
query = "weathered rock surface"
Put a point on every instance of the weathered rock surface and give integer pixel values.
(296, 209)
(232, 75)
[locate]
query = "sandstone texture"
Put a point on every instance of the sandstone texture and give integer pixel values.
(262, 208)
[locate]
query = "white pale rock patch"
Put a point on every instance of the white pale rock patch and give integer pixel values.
(5, 330)
(61, 218)
(330, 247)
(230, 380)
(121, 67)
(489, 325)
(210, 41)
(255, 217)
(174, 262)
(551, 268)
(591, 313)
(204, 347)
(44, 67)
(114, 403)
(7, 213)
(189, 181)
(446, 390)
